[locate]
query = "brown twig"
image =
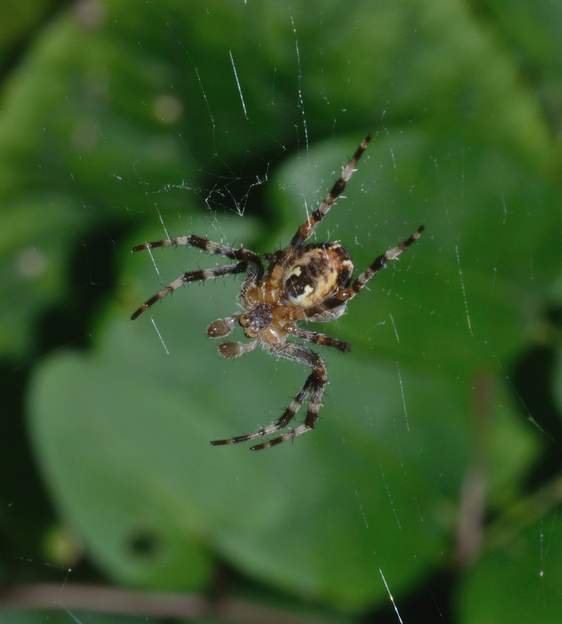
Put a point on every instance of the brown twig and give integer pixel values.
(474, 488)
(114, 600)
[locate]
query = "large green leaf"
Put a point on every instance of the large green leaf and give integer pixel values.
(123, 438)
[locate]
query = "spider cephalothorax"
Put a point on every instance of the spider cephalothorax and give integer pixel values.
(302, 282)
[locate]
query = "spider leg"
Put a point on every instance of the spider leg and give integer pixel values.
(190, 276)
(217, 249)
(313, 387)
(318, 386)
(307, 228)
(280, 423)
(252, 260)
(359, 283)
(381, 261)
(318, 338)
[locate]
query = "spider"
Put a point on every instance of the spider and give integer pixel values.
(302, 282)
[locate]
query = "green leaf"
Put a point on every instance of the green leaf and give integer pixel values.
(527, 573)
(35, 262)
(123, 439)
(533, 31)
(16, 21)
(465, 298)
(86, 167)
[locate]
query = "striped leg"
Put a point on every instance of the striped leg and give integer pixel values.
(379, 263)
(307, 228)
(216, 249)
(358, 284)
(317, 379)
(190, 276)
(280, 423)
(254, 265)
(319, 384)
(319, 338)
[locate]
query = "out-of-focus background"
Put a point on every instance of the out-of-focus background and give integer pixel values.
(431, 489)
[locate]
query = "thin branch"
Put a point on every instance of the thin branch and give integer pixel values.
(103, 599)
(472, 505)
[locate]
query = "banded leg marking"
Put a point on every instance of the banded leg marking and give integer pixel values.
(307, 228)
(379, 263)
(280, 423)
(313, 388)
(319, 338)
(189, 276)
(210, 247)
(309, 422)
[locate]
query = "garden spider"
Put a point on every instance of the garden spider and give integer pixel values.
(303, 282)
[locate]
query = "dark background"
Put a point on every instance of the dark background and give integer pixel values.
(433, 479)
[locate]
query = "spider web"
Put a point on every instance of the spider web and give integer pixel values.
(237, 191)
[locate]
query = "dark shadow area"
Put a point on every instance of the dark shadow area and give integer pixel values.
(93, 277)
(26, 511)
(22, 498)
(229, 189)
(432, 599)
(19, 48)
(144, 544)
(533, 379)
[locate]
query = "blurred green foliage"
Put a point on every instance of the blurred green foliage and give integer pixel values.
(18, 23)
(121, 117)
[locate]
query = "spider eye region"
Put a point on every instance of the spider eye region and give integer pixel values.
(316, 274)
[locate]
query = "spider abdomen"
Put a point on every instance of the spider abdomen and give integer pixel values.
(318, 272)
